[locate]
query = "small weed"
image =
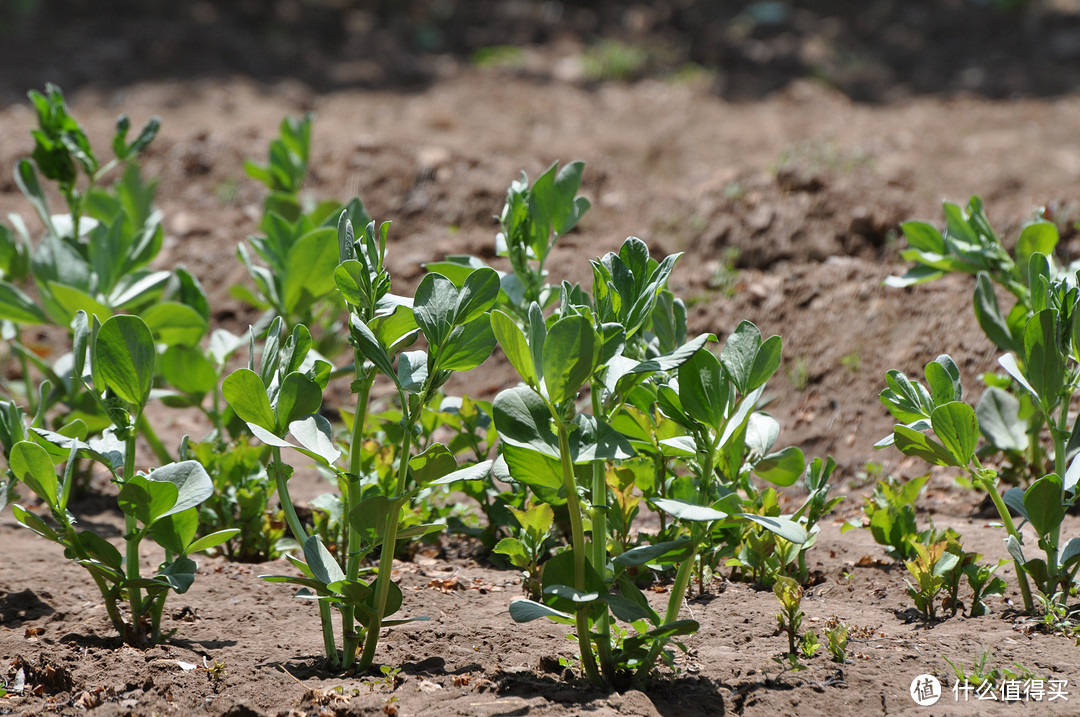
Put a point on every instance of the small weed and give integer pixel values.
(836, 633)
(821, 154)
(851, 361)
(726, 275)
(226, 191)
(1057, 617)
(614, 60)
(798, 372)
(499, 56)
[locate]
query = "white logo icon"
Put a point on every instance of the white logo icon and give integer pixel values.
(925, 690)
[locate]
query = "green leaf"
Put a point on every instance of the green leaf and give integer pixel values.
(101, 549)
(688, 511)
(513, 343)
(435, 462)
(1038, 237)
(213, 540)
(704, 389)
(34, 523)
(988, 314)
(1043, 357)
(297, 398)
(310, 268)
(18, 307)
(1043, 504)
(943, 376)
(179, 574)
(174, 323)
(1008, 362)
(924, 237)
(569, 357)
(766, 361)
(176, 531)
(191, 480)
(479, 471)
(477, 295)
(999, 420)
(467, 346)
(738, 355)
(522, 610)
(957, 427)
(246, 394)
(145, 500)
(522, 419)
(70, 300)
(786, 528)
(371, 347)
(514, 550)
(189, 370)
(783, 467)
(314, 434)
(536, 471)
(124, 357)
(434, 307)
(913, 443)
(26, 178)
(671, 551)
(322, 564)
(32, 465)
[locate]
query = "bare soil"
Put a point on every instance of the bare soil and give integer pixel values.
(785, 201)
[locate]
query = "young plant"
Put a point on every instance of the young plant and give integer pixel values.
(562, 453)
(530, 547)
(454, 323)
(837, 636)
(93, 259)
(790, 617)
(891, 512)
(1049, 375)
(970, 245)
(532, 220)
(929, 569)
(983, 584)
(297, 245)
(160, 505)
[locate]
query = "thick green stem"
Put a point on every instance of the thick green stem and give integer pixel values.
(578, 548)
(1010, 527)
(132, 535)
(598, 514)
(301, 536)
(351, 638)
(386, 556)
(1060, 432)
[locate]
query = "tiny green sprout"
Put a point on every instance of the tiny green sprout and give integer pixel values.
(215, 670)
(810, 644)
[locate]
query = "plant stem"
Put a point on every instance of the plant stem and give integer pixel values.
(350, 637)
(132, 535)
(588, 661)
(301, 536)
(598, 514)
(1010, 527)
(678, 592)
(386, 555)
